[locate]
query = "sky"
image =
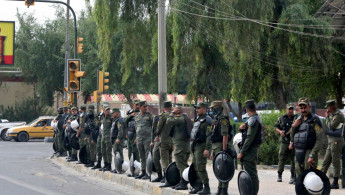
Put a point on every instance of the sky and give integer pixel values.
(41, 11)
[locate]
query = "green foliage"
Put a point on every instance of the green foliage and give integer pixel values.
(27, 111)
(268, 153)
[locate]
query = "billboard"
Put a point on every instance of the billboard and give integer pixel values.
(6, 43)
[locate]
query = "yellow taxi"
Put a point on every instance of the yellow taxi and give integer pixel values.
(38, 128)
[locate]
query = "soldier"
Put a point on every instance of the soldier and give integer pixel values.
(155, 143)
(57, 134)
(200, 147)
(221, 136)
(131, 132)
(117, 134)
(283, 126)
(106, 139)
(166, 145)
(251, 139)
(334, 123)
(307, 132)
(69, 131)
(180, 136)
(61, 133)
(98, 141)
(143, 125)
(91, 145)
(81, 133)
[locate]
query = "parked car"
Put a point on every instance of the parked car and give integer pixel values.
(5, 125)
(38, 128)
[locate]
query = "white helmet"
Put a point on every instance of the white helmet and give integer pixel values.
(185, 174)
(137, 167)
(101, 127)
(313, 183)
(236, 141)
(75, 125)
(125, 166)
(54, 125)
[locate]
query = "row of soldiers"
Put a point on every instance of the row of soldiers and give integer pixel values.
(301, 138)
(171, 131)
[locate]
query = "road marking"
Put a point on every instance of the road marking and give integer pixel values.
(31, 187)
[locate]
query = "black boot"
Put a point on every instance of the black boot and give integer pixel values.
(108, 167)
(206, 189)
(335, 184)
(292, 178)
(61, 154)
(279, 176)
(114, 171)
(183, 185)
(143, 173)
(163, 179)
(224, 191)
(130, 175)
(97, 166)
(219, 191)
(196, 189)
(91, 164)
(177, 185)
(159, 178)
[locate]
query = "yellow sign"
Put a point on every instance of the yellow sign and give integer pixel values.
(6, 43)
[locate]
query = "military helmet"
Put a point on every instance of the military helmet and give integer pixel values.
(223, 167)
(237, 142)
(54, 125)
(172, 174)
(185, 174)
(312, 181)
(83, 155)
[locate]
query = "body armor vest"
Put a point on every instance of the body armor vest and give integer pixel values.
(114, 129)
(258, 137)
(305, 137)
(196, 135)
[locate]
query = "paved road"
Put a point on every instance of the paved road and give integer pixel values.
(27, 169)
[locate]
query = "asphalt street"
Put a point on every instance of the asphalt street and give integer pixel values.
(26, 168)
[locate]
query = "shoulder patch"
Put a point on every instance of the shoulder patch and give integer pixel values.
(224, 122)
(318, 129)
(251, 121)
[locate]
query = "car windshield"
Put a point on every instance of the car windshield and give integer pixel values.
(33, 122)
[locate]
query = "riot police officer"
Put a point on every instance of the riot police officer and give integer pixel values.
(92, 123)
(200, 147)
(283, 126)
(334, 123)
(69, 131)
(220, 137)
(129, 126)
(106, 139)
(251, 139)
(81, 133)
(117, 134)
(306, 137)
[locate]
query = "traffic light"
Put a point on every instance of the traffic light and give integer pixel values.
(97, 96)
(74, 75)
(29, 2)
(102, 81)
(80, 45)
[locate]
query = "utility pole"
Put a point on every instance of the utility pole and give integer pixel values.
(66, 55)
(162, 54)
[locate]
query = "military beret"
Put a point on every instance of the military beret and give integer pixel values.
(167, 104)
(91, 107)
(115, 110)
(200, 105)
(143, 103)
(83, 107)
(74, 108)
(290, 106)
(330, 103)
(303, 101)
(137, 101)
(65, 108)
(217, 104)
(249, 103)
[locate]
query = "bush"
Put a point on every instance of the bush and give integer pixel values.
(27, 111)
(268, 153)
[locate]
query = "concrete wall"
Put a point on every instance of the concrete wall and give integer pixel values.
(12, 92)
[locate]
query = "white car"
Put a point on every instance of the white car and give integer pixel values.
(5, 125)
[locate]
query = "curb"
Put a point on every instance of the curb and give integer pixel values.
(139, 185)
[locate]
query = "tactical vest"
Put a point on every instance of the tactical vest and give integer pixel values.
(114, 129)
(258, 137)
(305, 137)
(216, 135)
(287, 123)
(196, 135)
(89, 126)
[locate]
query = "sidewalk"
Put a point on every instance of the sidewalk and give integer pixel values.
(267, 176)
